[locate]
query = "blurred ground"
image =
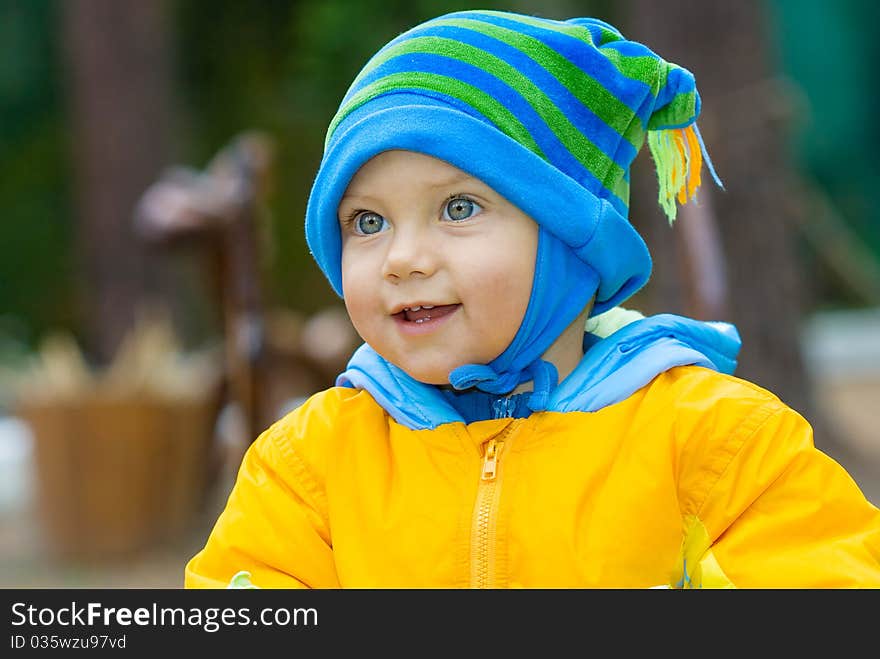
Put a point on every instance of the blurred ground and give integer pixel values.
(843, 353)
(27, 563)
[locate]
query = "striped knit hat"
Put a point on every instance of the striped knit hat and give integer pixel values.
(550, 114)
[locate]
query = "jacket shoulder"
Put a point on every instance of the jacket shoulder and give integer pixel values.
(327, 409)
(304, 438)
(720, 420)
(698, 382)
(715, 409)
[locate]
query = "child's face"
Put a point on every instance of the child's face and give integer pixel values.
(417, 231)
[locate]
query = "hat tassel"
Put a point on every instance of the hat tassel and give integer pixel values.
(678, 155)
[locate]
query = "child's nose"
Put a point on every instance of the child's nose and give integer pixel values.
(410, 254)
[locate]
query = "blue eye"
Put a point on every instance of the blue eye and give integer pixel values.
(460, 208)
(369, 223)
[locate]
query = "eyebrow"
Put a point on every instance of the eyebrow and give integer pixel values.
(463, 177)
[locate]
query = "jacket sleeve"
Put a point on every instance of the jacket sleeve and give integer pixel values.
(274, 525)
(779, 513)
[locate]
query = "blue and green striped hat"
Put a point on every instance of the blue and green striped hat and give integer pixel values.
(548, 113)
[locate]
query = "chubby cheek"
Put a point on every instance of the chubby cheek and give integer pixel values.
(502, 289)
(360, 301)
(358, 320)
(363, 315)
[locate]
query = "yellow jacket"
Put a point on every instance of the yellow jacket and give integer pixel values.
(698, 479)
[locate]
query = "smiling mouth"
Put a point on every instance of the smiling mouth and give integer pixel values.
(423, 314)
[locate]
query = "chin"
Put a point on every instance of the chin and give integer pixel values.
(430, 378)
(433, 376)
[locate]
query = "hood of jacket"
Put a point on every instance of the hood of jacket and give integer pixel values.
(612, 369)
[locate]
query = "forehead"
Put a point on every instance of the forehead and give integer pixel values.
(392, 167)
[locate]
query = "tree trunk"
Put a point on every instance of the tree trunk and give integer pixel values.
(118, 88)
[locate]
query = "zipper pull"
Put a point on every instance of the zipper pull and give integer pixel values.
(490, 460)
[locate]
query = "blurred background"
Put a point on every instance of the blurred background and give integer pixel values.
(158, 306)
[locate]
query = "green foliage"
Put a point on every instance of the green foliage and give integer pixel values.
(36, 228)
(829, 50)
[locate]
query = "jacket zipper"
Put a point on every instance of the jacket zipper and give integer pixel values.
(485, 513)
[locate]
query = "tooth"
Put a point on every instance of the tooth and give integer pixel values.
(425, 306)
(415, 308)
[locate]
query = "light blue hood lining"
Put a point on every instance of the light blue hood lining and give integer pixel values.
(612, 369)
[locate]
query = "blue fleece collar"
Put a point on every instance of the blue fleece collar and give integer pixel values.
(611, 370)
